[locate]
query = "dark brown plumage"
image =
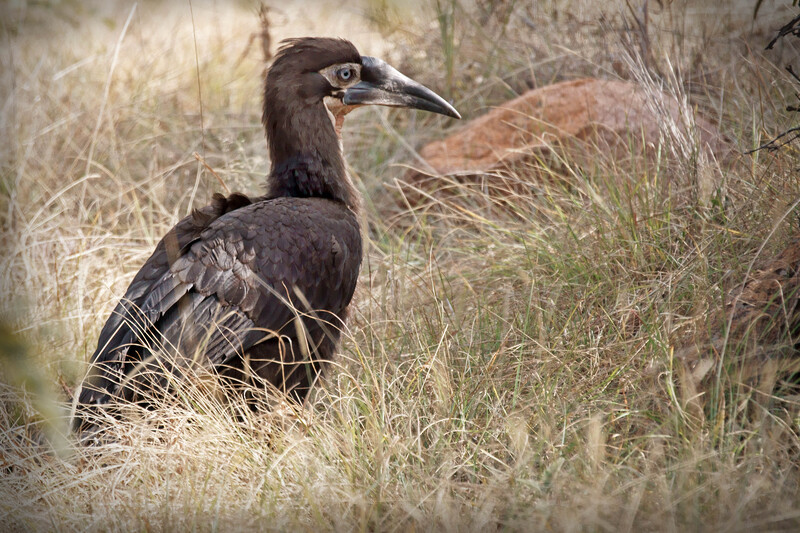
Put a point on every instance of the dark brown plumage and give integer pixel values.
(258, 284)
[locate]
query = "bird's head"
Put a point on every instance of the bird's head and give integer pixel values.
(312, 84)
(330, 72)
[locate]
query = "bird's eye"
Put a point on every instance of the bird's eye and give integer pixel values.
(345, 74)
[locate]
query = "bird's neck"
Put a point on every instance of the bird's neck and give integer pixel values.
(307, 159)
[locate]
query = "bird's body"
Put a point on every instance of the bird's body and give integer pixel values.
(256, 286)
(225, 279)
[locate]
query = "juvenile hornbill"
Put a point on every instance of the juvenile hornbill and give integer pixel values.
(257, 285)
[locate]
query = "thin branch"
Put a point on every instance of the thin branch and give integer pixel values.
(791, 28)
(792, 134)
(774, 145)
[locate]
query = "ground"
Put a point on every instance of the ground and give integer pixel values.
(511, 361)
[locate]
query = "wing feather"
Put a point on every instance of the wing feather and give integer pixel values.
(225, 283)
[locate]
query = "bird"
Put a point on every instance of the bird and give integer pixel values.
(257, 286)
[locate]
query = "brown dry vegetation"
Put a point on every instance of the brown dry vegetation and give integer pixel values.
(589, 119)
(505, 368)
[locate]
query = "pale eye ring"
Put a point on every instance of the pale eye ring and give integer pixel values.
(345, 74)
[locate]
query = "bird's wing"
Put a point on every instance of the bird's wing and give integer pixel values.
(277, 260)
(153, 292)
(225, 286)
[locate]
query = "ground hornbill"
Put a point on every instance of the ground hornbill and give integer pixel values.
(257, 286)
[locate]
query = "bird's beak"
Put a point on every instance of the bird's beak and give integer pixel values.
(382, 84)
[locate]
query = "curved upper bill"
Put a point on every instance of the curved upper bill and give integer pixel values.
(382, 84)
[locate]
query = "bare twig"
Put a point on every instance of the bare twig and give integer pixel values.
(264, 35)
(792, 134)
(774, 144)
(791, 28)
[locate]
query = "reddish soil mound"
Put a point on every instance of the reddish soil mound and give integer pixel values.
(587, 117)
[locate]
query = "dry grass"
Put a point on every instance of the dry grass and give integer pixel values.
(505, 368)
